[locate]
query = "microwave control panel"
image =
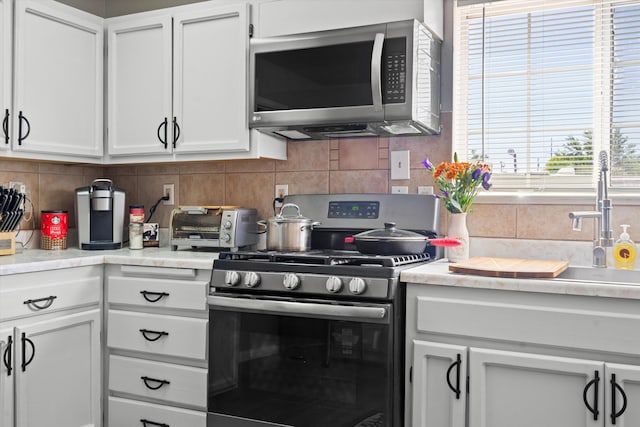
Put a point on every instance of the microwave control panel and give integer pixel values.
(394, 72)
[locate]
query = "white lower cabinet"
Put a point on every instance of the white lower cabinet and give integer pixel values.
(6, 377)
(460, 373)
(623, 400)
(50, 348)
(439, 376)
(132, 413)
(58, 372)
(157, 320)
(163, 381)
(537, 390)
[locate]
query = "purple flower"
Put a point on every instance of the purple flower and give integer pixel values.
(427, 164)
(485, 180)
(445, 194)
(476, 174)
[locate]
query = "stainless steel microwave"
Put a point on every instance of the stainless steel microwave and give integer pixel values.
(372, 80)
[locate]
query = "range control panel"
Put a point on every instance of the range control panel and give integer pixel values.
(355, 210)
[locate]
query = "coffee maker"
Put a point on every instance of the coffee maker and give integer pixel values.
(100, 215)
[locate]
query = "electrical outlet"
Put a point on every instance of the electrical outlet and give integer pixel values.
(425, 189)
(19, 186)
(399, 189)
(281, 191)
(167, 190)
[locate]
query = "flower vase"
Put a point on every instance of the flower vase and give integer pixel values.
(458, 230)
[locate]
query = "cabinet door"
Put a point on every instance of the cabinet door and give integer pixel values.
(59, 385)
(439, 385)
(623, 399)
(530, 390)
(6, 39)
(139, 85)
(59, 56)
(210, 79)
(7, 374)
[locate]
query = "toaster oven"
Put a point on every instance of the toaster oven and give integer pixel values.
(224, 227)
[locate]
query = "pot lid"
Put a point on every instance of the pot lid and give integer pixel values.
(390, 233)
(295, 218)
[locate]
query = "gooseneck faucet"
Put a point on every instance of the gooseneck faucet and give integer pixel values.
(602, 215)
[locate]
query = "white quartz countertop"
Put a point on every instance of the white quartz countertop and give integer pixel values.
(30, 260)
(437, 273)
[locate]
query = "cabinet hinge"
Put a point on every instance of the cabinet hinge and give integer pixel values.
(250, 30)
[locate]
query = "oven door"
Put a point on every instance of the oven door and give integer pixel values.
(303, 363)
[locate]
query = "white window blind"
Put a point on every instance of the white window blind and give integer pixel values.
(540, 86)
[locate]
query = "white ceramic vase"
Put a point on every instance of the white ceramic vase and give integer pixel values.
(458, 230)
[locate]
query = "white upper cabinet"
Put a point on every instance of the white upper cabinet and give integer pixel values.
(281, 17)
(58, 82)
(6, 31)
(209, 80)
(177, 86)
(139, 85)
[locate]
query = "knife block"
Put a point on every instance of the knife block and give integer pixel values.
(7, 243)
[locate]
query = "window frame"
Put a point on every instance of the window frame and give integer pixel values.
(566, 190)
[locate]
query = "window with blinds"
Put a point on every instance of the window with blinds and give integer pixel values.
(542, 87)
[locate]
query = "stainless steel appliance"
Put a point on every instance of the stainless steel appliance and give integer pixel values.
(315, 339)
(225, 227)
(373, 80)
(99, 215)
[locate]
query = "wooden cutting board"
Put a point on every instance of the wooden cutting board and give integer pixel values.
(510, 267)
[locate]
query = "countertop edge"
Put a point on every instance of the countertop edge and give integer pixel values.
(437, 273)
(34, 260)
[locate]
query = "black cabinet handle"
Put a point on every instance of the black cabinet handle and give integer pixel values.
(5, 126)
(158, 334)
(147, 380)
(153, 296)
(153, 423)
(47, 304)
(456, 388)
(24, 351)
(21, 138)
(176, 131)
(6, 357)
(163, 141)
(595, 383)
(615, 386)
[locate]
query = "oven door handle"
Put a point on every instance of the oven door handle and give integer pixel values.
(293, 308)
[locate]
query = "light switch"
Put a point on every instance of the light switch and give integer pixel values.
(399, 164)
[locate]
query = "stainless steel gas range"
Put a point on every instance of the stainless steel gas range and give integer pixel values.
(315, 339)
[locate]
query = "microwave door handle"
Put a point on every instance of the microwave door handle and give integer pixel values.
(376, 64)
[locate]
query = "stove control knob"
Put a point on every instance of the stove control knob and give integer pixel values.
(334, 284)
(357, 286)
(251, 279)
(231, 278)
(291, 281)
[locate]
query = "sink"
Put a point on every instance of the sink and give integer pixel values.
(601, 275)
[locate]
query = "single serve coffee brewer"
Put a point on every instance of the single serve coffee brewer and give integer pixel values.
(100, 215)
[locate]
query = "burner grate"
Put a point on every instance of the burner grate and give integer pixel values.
(326, 258)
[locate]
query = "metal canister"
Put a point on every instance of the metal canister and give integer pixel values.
(136, 213)
(53, 229)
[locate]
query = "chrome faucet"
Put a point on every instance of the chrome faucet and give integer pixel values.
(602, 214)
